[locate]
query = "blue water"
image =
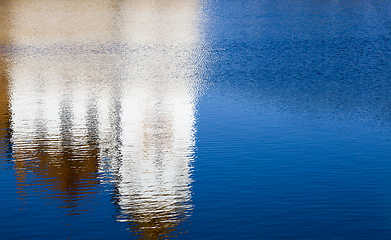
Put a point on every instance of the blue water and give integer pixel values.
(291, 132)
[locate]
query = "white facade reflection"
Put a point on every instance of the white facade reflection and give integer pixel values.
(108, 87)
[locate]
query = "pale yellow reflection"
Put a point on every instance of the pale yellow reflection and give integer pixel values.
(106, 91)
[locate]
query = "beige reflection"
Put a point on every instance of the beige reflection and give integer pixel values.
(108, 88)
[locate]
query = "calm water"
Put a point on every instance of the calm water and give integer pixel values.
(195, 119)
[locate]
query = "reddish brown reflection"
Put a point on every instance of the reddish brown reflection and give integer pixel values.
(66, 165)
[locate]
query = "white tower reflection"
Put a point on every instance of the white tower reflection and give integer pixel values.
(109, 87)
(158, 116)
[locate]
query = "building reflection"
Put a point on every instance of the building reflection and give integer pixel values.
(104, 93)
(5, 116)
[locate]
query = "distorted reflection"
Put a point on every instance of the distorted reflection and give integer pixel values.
(5, 116)
(105, 92)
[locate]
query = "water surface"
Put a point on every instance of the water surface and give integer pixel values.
(195, 119)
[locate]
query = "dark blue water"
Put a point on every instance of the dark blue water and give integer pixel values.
(284, 131)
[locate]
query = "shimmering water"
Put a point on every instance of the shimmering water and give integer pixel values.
(195, 119)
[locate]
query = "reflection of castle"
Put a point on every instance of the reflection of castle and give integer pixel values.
(107, 88)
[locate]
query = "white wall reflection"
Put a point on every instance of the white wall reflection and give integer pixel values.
(108, 87)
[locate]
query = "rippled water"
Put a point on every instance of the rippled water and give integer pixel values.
(195, 119)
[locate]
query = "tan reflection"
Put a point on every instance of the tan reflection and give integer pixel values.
(47, 21)
(108, 88)
(42, 22)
